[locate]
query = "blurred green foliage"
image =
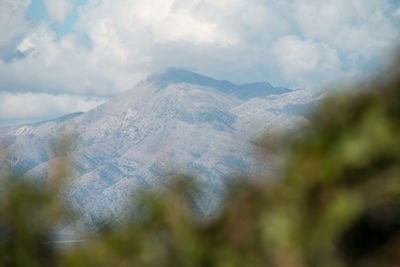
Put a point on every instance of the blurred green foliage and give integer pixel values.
(335, 202)
(30, 211)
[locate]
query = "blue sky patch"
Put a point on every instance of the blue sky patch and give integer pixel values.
(37, 10)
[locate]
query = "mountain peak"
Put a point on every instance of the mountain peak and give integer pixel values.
(179, 75)
(244, 91)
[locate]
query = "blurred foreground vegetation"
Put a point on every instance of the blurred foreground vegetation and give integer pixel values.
(335, 202)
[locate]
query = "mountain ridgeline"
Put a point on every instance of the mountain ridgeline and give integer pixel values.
(175, 122)
(243, 91)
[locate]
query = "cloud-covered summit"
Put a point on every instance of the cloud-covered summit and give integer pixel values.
(98, 48)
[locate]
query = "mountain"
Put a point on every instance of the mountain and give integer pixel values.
(174, 122)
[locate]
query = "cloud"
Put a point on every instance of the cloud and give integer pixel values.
(114, 45)
(58, 10)
(397, 13)
(359, 30)
(29, 106)
(302, 60)
(12, 24)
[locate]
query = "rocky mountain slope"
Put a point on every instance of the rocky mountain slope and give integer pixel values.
(173, 122)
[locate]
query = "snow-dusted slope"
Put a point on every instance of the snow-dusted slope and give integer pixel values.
(176, 121)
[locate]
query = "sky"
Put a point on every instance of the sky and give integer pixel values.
(64, 56)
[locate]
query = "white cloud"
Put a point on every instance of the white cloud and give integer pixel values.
(25, 45)
(397, 13)
(324, 20)
(160, 20)
(58, 10)
(33, 106)
(67, 65)
(302, 60)
(295, 56)
(12, 23)
(360, 30)
(183, 27)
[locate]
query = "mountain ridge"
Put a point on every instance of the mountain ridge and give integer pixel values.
(243, 91)
(135, 139)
